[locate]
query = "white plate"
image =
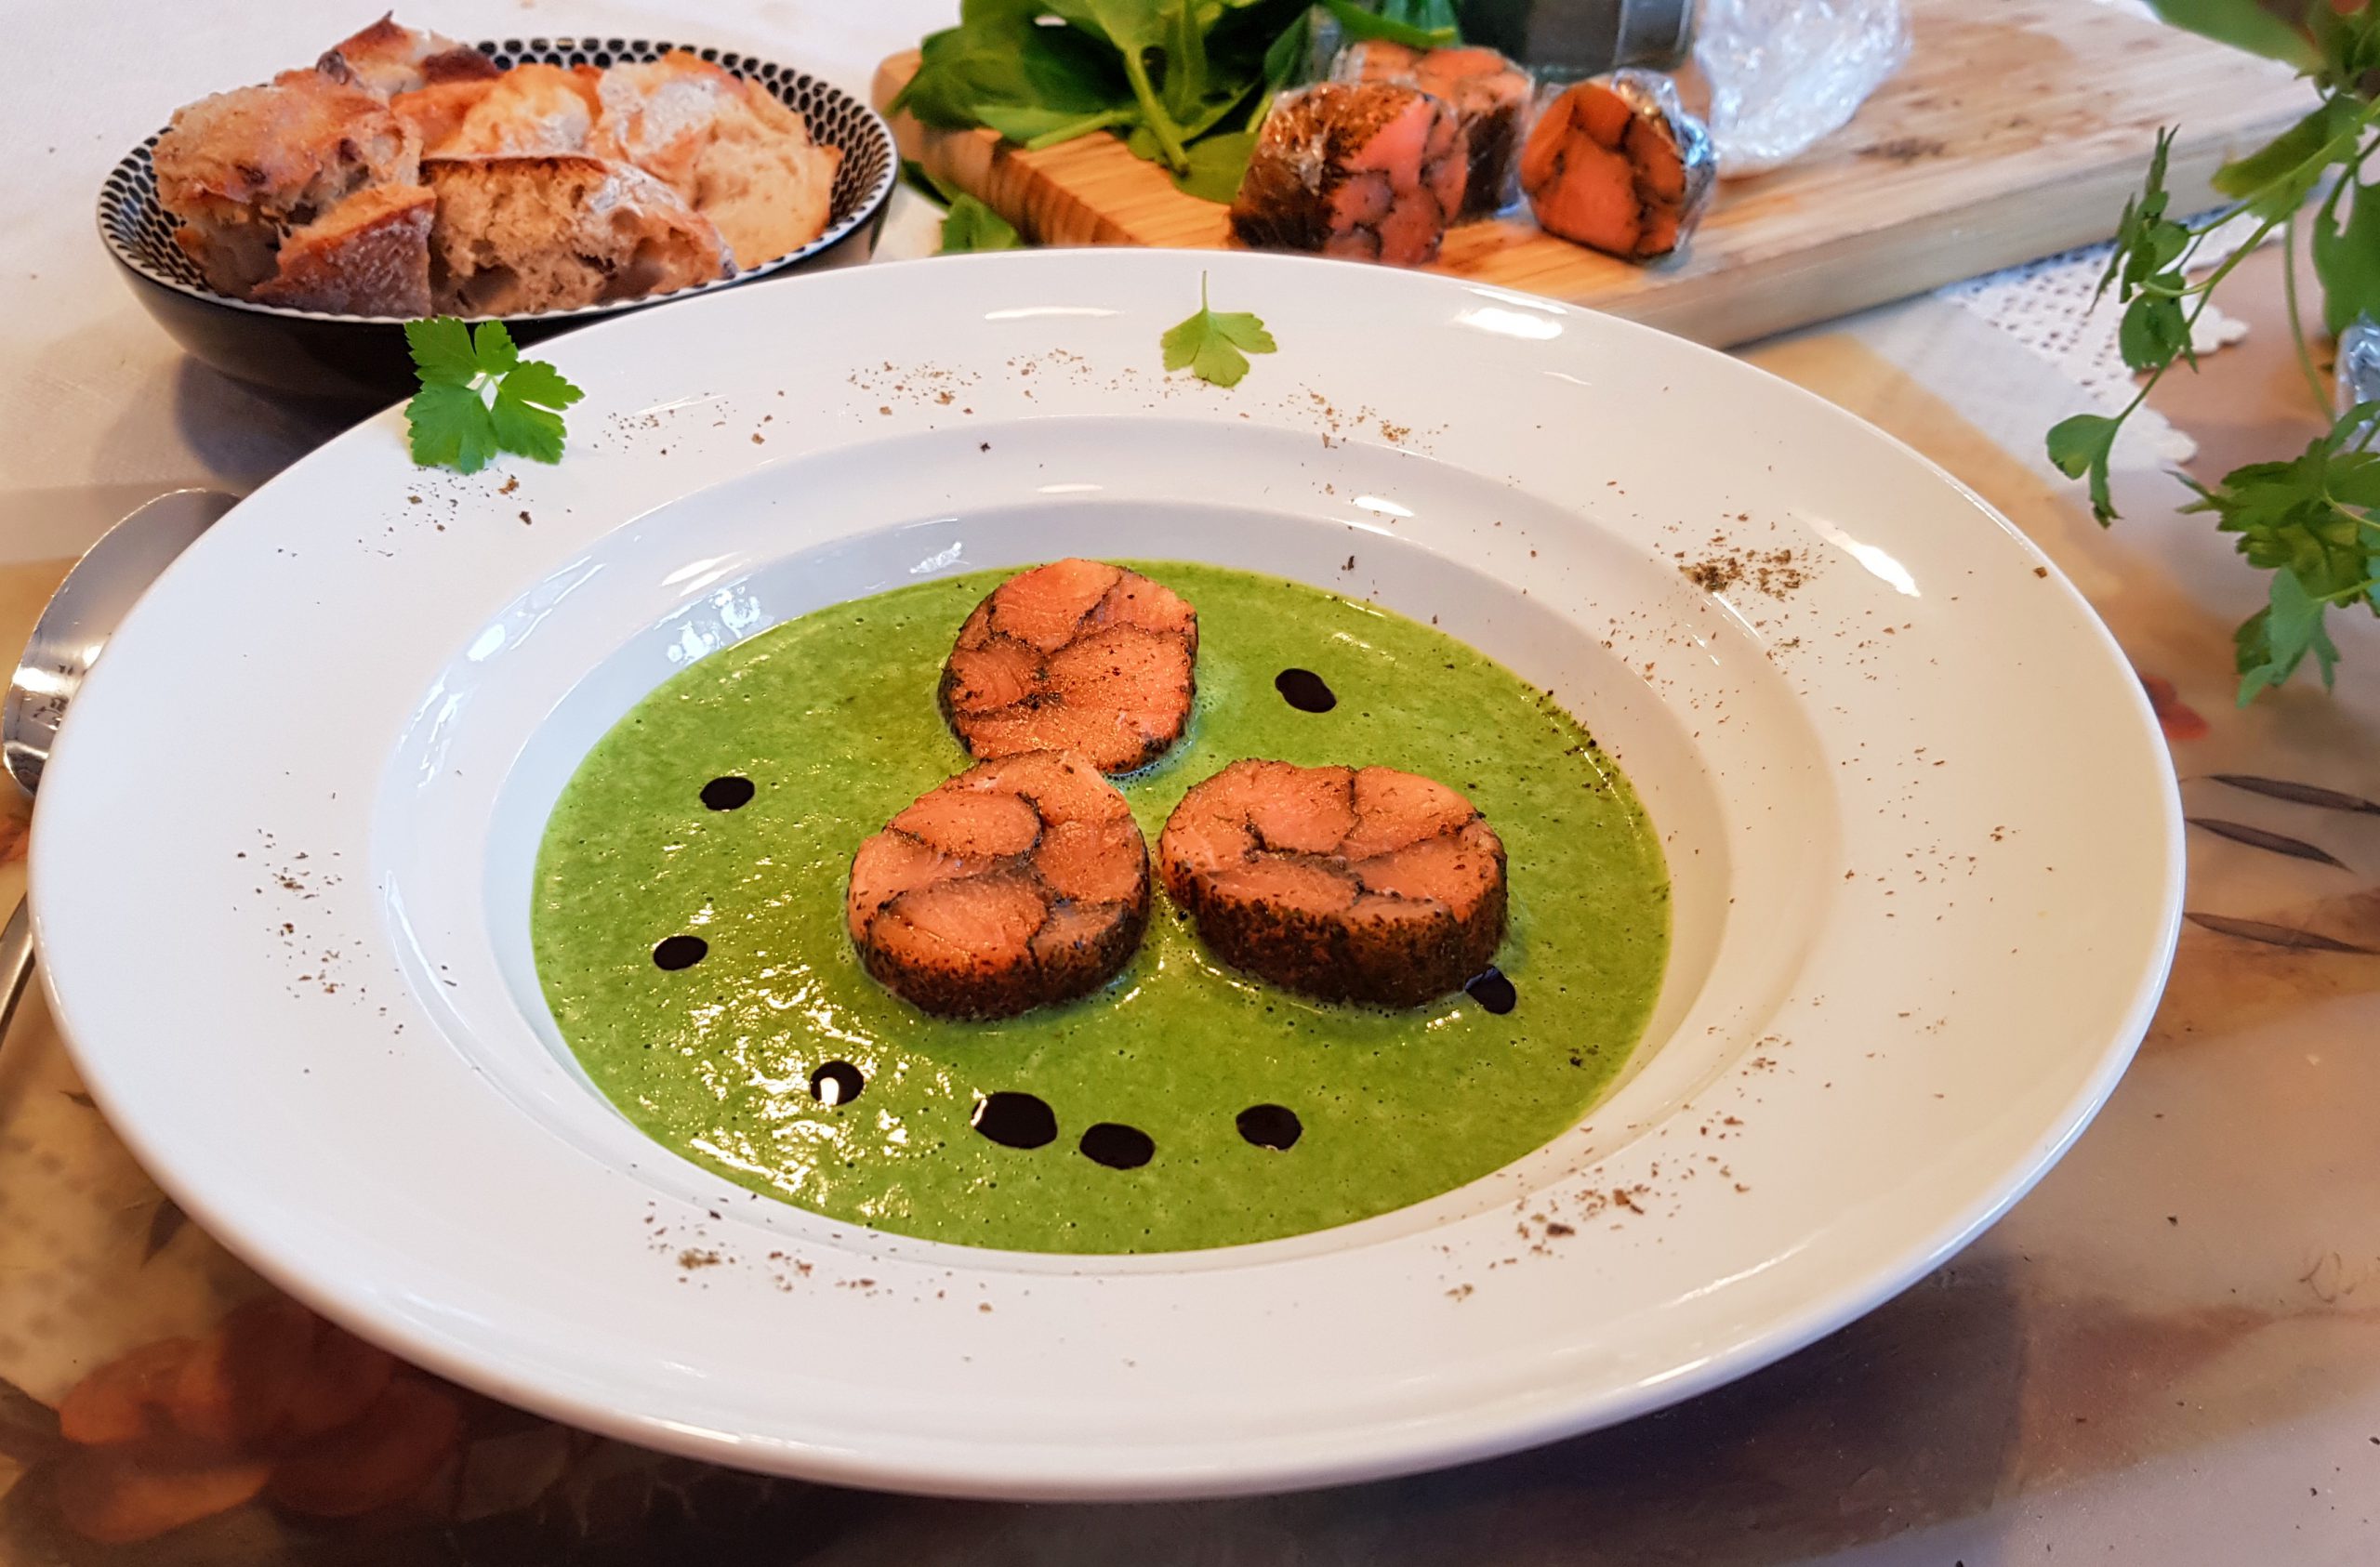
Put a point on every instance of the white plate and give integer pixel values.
(1925, 844)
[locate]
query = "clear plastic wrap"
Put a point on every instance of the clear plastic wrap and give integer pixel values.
(1488, 92)
(1785, 73)
(1617, 164)
(1371, 170)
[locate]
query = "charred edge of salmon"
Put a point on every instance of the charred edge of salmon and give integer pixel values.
(1331, 958)
(1305, 155)
(1040, 981)
(1633, 116)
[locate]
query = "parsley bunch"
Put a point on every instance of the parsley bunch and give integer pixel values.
(2313, 521)
(480, 396)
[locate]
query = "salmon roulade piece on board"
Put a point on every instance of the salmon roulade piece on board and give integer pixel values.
(1369, 170)
(1489, 96)
(1616, 164)
(1348, 884)
(1077, 655)
(1018, 883)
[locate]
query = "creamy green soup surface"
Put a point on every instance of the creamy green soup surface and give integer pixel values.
(775, 1061)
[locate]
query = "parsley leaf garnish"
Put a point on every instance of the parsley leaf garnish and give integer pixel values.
(480, 396)
(1214, 344)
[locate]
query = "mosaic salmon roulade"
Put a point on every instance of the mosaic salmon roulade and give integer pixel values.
(1077, 655)
(1372, 170)
(1018, 883)
(1346, 884)
(1616, 164)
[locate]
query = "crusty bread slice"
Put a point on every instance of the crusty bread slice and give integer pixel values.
(767, 186)
(740, 157)
(554, 233)
(243, 168)
(368, 256)
(389, 57)
(660, 114)
(529, 110)
(436, 112)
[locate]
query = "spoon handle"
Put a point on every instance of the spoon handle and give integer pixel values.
(16, 962)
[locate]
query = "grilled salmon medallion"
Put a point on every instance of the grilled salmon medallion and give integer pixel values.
(1077, 656)
(1020, 882)
(1347, 884)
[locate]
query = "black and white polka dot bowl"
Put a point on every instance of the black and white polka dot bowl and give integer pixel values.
(318, 354)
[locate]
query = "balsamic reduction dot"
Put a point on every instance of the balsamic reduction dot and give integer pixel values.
(1118, 1146)
(680, 952)
(836, 1083)
(1493, 990)
(1271, 1126)
(728, 793)
(1015, 1120)
(1305, 690)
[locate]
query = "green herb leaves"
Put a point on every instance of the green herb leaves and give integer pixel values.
(2243, 24)
(2309, 521)
(968, 223)
(1431, 24)
(2080, 447)
(1184, 81)
(453, 420)
(1214, 344)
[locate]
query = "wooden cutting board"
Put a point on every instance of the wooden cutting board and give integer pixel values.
(2016, 130)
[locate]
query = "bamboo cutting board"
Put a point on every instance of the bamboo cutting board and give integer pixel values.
(2015, 131)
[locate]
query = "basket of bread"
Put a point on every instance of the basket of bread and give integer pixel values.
(284, 232)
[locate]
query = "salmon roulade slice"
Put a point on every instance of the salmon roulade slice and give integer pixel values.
(1371, 170)
(1077, 656)
(1347, 884)
(1491, 98)
(1020, 882)
(1615, 162)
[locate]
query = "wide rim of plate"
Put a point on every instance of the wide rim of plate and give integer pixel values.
(1868, 1148)
(128, 194)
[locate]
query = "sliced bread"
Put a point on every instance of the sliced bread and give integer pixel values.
(736, 154)
(529, 110)
(389, 57)
(368, 256)
(516, 235)
(241, 169)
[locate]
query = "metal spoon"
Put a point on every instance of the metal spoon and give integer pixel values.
(73, 627)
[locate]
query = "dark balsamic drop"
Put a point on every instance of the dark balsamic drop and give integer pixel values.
(680, 952)
(729, 793)
(1493, 990)
(1016, 1120)
(836, 1083)
(1270, 1126)
(1305, 691)
(1118, 1146)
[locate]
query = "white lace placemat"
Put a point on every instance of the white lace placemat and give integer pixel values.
(2047, 305)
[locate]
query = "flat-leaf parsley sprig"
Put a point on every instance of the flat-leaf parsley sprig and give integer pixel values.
(2311, 521)
(1214, 344)
(480, 396)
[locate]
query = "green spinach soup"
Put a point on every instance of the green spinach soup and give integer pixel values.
(688, 929)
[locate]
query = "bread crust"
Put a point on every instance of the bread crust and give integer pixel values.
(368, 256)
(517, 234)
